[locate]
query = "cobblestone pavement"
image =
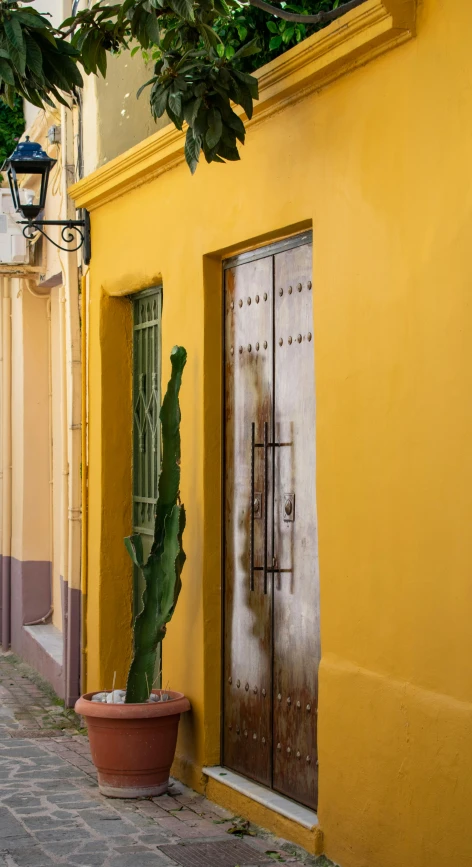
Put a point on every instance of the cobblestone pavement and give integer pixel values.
(52, 813)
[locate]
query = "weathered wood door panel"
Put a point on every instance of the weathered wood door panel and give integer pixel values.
(295, 599)
(249, 396)
(271, 608)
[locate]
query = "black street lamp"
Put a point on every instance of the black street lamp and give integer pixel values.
(28, 162)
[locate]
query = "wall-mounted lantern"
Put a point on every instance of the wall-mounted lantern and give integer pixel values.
(30, 163)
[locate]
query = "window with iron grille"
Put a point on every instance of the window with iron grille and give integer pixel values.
(146, 425)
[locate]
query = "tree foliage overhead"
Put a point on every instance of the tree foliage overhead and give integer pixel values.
(204, 53)
(274, 35)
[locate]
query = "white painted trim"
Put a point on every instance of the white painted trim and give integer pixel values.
(266, 797)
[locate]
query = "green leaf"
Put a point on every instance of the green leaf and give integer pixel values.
(244, 99)
(153, 31)
(102, 61)
(143, 86)
(192, 149)
(200, 124)
(167, 39)
(14, 33)
(235, 123)
(34, 57)
(288, 33)
(68, 68)
(47, 35)
(251, 47)
(275, 42)
(90, 48)
(272, 26)
(191, 109)
(9, 98)
(228, 152)
(56, 73)
(215, 128)
(176, 119)
(31, 19)
(174, 103)
(183, 8)
(209, 36)
(158, 101)
(6, 72)
(250, 80)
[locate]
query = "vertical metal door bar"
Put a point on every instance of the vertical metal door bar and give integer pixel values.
(266, 500)
(251, 552)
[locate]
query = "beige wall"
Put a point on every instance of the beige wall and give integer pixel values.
(113, 118)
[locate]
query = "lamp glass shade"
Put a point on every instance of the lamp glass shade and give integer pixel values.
(28, 171)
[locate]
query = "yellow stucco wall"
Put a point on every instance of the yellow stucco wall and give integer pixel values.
(378, 164)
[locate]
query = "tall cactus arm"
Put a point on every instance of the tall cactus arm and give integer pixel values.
(169, 479)
(162, 571)
(163, 583)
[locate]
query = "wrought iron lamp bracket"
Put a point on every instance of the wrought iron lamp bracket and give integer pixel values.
(73, 232)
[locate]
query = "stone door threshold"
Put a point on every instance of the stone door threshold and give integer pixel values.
(269, 799)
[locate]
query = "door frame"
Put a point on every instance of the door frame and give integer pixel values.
(262, 252)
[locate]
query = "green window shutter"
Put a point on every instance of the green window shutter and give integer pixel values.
(146, 426)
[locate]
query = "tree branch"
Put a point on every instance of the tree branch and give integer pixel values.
(319, 18)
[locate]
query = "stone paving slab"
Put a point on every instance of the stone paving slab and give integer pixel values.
(51, 812)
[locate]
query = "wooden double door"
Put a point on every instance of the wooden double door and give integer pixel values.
(271, 598)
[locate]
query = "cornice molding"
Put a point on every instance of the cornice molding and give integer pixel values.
(353, 40)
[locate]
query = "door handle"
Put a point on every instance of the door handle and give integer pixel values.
(251, 541)
(258, 503)
(266, 500)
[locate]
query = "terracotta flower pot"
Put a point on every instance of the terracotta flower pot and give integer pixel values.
(133, 745)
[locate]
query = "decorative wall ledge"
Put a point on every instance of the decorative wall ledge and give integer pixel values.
(353, 40)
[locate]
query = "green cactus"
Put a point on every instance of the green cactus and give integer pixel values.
(162, 570)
